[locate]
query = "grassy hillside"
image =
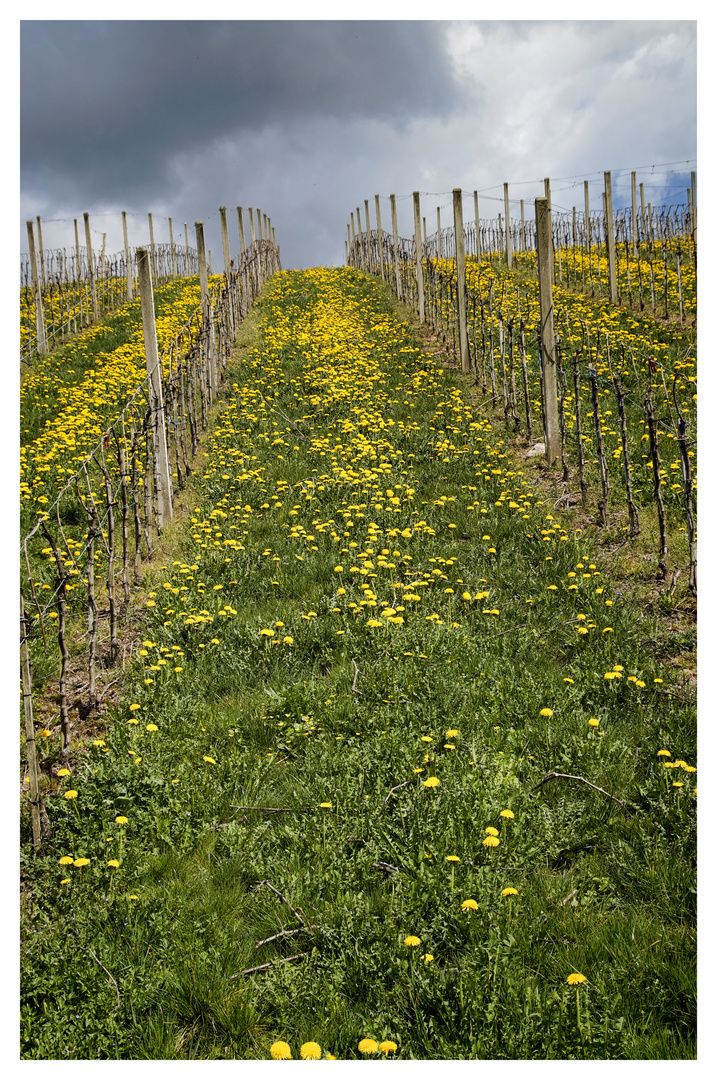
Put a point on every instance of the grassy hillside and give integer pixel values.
(397, 761)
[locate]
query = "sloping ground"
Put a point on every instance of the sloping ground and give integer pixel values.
(393, 764)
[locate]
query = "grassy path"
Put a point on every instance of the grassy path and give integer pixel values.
(324, 812)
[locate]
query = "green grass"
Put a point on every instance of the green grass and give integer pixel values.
(153, 959)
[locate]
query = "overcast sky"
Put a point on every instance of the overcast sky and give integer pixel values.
(308, 119)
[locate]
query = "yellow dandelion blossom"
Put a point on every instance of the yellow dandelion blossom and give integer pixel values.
(280, 1051)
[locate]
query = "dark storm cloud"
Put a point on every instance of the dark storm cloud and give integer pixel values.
(106, 105)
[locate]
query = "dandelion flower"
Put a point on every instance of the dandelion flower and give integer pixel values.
(209, 760)
(81, 862)
(71, 794)
(575, 979)
(507, 814)
(310, 1051)
(121, 820)
(133, 708)
(593, 723)
(546, 712)
(63, 772)
(432, 781)
(326, 805)
(411, 940)
(66, 860)
(491, 831)
(453, 858)
(368, 1046)
(664, 753)
(451, 733)
(151, 727)
(509, 892)
(491, 841)
(280, 1051)
(113, 862)
(469, 905)
(387, 1047)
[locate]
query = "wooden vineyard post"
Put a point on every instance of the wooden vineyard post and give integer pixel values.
(394, 226)
(37, 294)
(30, 744)
(369, 257)
(610, 240)
(475, 208)
(128, 266)
(204, 290)
(227, 267)
(379, 233)
(543, 233)
(419, 255)
(90, 266)
(159, 434)
(508, 239)
(461, 279)
(153, 260)
(242, 241)
(173, 262)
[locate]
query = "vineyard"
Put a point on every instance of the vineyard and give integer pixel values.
(356, 725)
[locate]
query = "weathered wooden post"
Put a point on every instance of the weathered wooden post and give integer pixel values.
(128, 265)
(438, 232)
(227, 266)
(154, 371)
(171, 250)
(78, 265)
(153, 257)
(380, 237)
(204, 292)
(40, 332)
(369, 252)
(251, 224)
(359, 234)
(634, 214)
(394, 225)
(523, 245)
(41, 252)
(258, 223)
(186, 245)
(544, 239)
(240, 220)
(90, 267)
(475, 207)
(610, 240)
(508, 238)
(419, 256)
(461, 279)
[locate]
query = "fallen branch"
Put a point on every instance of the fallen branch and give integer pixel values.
(353, 687)
(275, 937)
(283, 900)
(380, 865)
(110, 977)
(265, 967)
(396, 788)
(581, 779)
